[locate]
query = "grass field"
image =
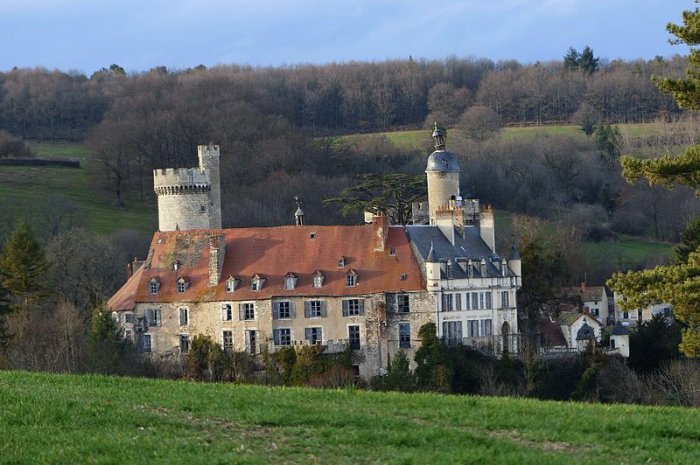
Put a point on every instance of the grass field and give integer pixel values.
(29, 190)
(49, 418)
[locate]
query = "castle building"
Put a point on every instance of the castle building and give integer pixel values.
(370, 287)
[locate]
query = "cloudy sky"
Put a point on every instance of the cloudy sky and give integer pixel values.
(85, 35)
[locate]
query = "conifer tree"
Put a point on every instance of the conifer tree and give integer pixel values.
(22, 266)
(677, 284)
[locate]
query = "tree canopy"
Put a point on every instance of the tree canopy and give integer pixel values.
(386, 194)
(677, 284)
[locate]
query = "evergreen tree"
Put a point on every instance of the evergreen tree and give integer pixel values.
(106, 343)
(690, 241)
(433, 370)
(399, 376)
(390, 194)
(608, 142)
(5, 309)
(587, 62)
(571, 59)
(22, 266)
(677, 284)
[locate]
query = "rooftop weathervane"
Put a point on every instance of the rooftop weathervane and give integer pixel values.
(438, 137)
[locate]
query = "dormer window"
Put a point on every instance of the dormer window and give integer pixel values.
(232, 283)
(351, 278)
(290, 281)
(153, 286)
(318, 279)
(176, 265)
(181, 285)
(341, 262)
(257, 282)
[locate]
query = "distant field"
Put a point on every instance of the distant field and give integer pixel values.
(421, 139)
(28, 190)
(65, 419)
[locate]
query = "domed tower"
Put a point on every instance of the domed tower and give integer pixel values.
(443, 176)
(190, 198)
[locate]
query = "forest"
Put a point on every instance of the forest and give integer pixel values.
(312, 131)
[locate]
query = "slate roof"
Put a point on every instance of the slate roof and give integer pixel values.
(587, 294)
(471, 246)
(442, 162)
(272, 253)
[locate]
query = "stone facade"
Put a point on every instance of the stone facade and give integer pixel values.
(190, 198)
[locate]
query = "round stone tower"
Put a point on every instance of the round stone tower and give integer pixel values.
(443, 176)
(190, 198)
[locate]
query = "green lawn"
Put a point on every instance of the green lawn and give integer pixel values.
(48, 418)
(32, 190)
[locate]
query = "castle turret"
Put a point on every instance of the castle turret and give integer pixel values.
(190, 198)
(443, 176)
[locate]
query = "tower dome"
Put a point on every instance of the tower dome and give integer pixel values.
(442, 171)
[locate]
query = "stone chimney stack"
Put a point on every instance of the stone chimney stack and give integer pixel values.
(380, 230)
(444, 220)
(487, 228)
(217, 251)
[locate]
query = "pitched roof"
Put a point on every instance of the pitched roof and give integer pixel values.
(124, 299)
(429, 238)
(569, 318)
(587, 293)
(272, 252)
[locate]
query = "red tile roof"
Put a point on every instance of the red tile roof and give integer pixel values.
(272, 253)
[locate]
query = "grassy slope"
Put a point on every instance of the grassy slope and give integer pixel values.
(29, 189)
(91, 419)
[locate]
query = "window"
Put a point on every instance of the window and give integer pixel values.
(488, 300)
(184, 343)
(392, 251)
(314, 309)
(403, 305)
(181, 285)
(354, 337)
(458, 301)
(246, 311)
(452, 331)
(228, 340)
(341, 262)
(475, 301)
(481, 300)
(473, 328)
(184, 316)
(353, 307)
(146, 343)
(153, 286)
(290, 281)
(153, 316)
(351, 279)
(446, 302)
(226, 312)
(282, 310)
(128, 317)
(625, 315)
(282, 336)
(231, 284)
(257, 282)
(251, 341)
(505, 299)
(128, 334)
(486, 328)
(404, 335)
(313, 335)
(318, 280)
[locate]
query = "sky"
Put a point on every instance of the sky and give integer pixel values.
(86, 35)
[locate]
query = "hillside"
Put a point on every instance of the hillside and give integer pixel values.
(95, 419)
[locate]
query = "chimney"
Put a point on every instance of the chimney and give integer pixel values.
(445, 223)
(129, 271)
(217, 250)
(380, 230)
(487, 228)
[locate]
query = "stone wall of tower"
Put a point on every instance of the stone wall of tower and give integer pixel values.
(209, 161)
(441, 187)
(190, 198)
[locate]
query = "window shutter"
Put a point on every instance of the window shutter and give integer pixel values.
(323, 309)
(276, 336)
(361, 304)
(224, 313)
(307, 334)
(307, 309)
(158, 317)
(241, 312)
(346, 307)
(276, 312)
(292, 311)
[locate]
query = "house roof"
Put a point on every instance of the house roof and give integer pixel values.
(587, 293)
(569, 318)
(273, 252)
(429, 238)
(551, 333)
